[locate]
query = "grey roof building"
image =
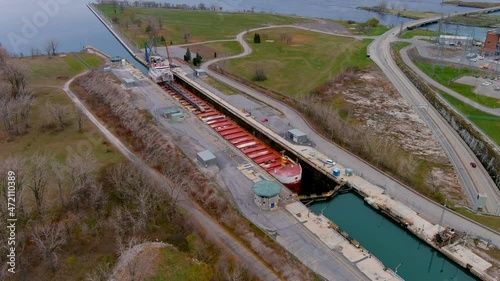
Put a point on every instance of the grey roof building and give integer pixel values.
(206, 158)
(266, 194)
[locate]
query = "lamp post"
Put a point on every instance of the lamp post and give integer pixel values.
(396, 270)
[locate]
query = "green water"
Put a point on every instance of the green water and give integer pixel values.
(389, 242)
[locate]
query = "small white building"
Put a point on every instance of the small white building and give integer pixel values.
(266, 194)
(200, 73)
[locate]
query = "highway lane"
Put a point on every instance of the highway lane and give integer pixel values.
(473, 180)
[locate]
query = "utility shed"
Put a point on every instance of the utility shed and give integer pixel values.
(200, 73)
(206, 158)
(129, 82)
(266, 194)
(297, 136)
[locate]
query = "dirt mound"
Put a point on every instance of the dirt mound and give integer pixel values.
(141, 260)
(375, 103)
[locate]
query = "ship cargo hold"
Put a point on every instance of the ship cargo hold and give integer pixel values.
(285, 170)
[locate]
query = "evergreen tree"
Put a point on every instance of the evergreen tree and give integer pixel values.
(187, 56)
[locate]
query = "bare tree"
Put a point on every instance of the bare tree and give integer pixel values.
(60, 173)
(49, 239)
(39, 173)
(56, 114)
(79, 119)
(48, 50)
(260, 74)
(394, 5)
(53, 46)
(101, 273)
(16, 75)
(4, 56)
(382, 6)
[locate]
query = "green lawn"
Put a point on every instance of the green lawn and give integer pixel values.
(299, 67)
(445, 75)
(199, 25)
(399, 45)
(489, 124)
(407, 34)
(175, 265)
(489, 221)
(55, 71)
(223, 49)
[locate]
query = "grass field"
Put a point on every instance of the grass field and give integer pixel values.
(489, 221)
(223, 49)
(43, 76)
(175, 265)
(200, 25)
(445, 75)
(298, 67)
(56, 70)
(399, 45)
(407, 34)
(489, 124)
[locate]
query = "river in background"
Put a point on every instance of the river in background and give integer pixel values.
(27, 24)
(390, 243)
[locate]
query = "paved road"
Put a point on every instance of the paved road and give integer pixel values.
(409, 62)
(197, 215)
(428, 209)
(473, 180)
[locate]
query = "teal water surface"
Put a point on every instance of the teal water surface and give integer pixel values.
(389, 242)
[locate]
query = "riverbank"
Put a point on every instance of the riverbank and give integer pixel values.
(401, 13)
(479, 5)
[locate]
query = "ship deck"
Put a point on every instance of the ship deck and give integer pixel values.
(248, 144)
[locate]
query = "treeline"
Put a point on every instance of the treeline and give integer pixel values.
(16, 98)
(153, 4)
(160, 152)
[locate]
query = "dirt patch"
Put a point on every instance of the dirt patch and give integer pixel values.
(375, 103)
(141, 260)
(324, 25)
(447, 52)
(440, 181)
(299, 38)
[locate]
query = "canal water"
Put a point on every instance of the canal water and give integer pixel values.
(391, 244)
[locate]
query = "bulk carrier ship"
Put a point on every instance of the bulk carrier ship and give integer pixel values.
(281, 167)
